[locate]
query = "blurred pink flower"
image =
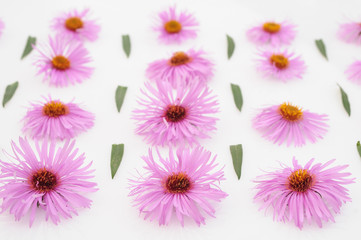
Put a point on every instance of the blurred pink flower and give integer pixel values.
(353, 72)
(350, 32)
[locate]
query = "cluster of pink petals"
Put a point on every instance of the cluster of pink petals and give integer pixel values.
(198, 102)
(75, 52)
(295, 69)
(89, 31)
(62, 127)
(153, 199)
(275, 128)
(350, 32)
(18, 194)
(353, 72)
(326, 193)
(284, 36)
(187, 20)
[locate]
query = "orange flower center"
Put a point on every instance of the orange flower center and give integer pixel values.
(73, 23)
(175, 113)
(43, 180)
(60, 63)
(279, 61)
(271, 27)
(55, 109)
(179, 58)
(177, 183)
(300, 180)
(290, 112)
(172, 26)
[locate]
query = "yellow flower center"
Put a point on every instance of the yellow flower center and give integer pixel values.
(300, 180)
(175, 113)
(55, 109)
(271, 27)
(177, 183)
(179, 58)
(279, 61)
(60, 63)
(290, 112)
(73, 23)
(173, 26)
(43, 180)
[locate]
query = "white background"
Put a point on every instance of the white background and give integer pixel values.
(112, 215)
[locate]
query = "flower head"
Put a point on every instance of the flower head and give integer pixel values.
(169, 116)
(76, 25)
(175, 28)
(186, 183)
(298, 193)
(54, 119)
(50, 178)
(350, 32)
(281, 65)
(63, 62)
(182, 68)
(353, 72)
(289, 123)
(273, 33)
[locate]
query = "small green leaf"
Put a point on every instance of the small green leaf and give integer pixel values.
(237, 96)
(237, 156)
(29, 46)
(231, 46)
(345, 102)
(119, 96)
(9, 92)
(116, 158)
(358, 145)
(321, 47)
(126, 44)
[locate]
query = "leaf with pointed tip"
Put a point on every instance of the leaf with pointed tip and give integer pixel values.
(9, 92)
(321, 47)
(116, 158)
(119, 96)
(237, 157)
(345, 102)
(126, 45)
(29, 46)
(358, 145)
(237, 96)
(231, 46)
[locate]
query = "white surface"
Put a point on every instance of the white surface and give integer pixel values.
(112, 215)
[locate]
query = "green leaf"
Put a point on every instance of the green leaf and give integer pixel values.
(321, 47)
(126, 44)
(231, 46)
(237, 156)
(237, 96)
(345, 102)
(358, 145)
(9, 92)
(119, 96)
(116, 158)
(29, 46)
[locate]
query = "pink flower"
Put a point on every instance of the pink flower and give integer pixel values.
(350, 32)
(176, 28)
(353, 72)
(76, 25)
(2, 26)
(273, 33)
(304, 193)
(182, 68)
(186, 183)
(281, 65)
(54, 119)
(63, 62)
(50, 178)
(288, 123)
(169, 116)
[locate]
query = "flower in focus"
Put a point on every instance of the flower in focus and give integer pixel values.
(175, 28)
(186, 183)
(76, 25)
(304, 193)
(273, 33)
(181, 68)
(350, 32)
(63, 62)
(50, 178)
(169, 116)
(289, 123)
(281, 65)
(53, 119)
(353, 72)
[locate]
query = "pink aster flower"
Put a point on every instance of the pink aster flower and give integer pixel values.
(51, 179)
(304, 193)
(54, 119)
(354, 72)
(169, 116)
(281, 65)
(185, 183)
(350, 32)
(2, 25)
(273, 33)
(288, 123)
(63, 62)
(181, 68)
(175, 28)
(76, 25)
